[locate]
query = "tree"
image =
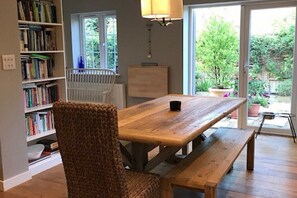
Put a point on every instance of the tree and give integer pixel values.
(217, 52)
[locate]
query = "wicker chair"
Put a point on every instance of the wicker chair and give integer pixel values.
(87, 137)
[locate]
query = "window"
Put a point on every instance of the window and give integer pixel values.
(98, 44)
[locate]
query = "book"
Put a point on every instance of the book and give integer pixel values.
(48, 12)
(35, 8)
(49, 145)
(40, 56)
(54, 13)
(21, 12)
(50, 39)
(42, 12)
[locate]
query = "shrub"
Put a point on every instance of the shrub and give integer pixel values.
(284, 88)
(202, 86)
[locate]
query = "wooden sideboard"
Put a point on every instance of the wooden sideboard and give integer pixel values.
(147, 81)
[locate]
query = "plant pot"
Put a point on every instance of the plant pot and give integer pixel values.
(219, 92)
(254, 110)
(234, 114)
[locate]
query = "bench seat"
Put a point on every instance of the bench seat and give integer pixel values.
(208, 163)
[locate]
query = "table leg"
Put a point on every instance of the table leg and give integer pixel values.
(139, 155)
(251, 153)
(292, 127)
(198, 140)
(166, 154)
(259, 130)
(185, 150)
(127, 158)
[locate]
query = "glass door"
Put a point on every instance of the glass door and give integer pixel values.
(268, 64)
(216, 37)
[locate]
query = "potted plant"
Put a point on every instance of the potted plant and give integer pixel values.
(257, 96)
(217, 55)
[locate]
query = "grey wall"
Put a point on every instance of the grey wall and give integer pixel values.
(12, 125)
(133, 39)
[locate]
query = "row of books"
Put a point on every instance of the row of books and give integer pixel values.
(37, 38)
(37, 10)
(36, 94)
(36, 66)
(49, 145)
(39, 122)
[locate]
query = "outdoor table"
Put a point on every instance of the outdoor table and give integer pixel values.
(271, 115)
(152, 124)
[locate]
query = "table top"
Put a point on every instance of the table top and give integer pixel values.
(152, 122)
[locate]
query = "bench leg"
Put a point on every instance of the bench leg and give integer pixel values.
(251, 153)
(210, 191)
(185, 150)
(167, 189)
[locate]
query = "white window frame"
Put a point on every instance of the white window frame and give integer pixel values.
(102, 35)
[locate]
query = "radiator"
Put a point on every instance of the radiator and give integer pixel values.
(118, 96)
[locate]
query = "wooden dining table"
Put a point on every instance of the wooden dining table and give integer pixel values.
(152, 124)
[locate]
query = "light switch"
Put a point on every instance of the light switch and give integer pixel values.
(8, 62)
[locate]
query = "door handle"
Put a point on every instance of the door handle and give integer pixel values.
(247, 67)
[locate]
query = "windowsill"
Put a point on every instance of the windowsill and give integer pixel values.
(117, 75)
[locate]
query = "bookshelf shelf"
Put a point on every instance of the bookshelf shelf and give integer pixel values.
(40, 26)
(39, 23)
(38, 108)
(42, 52)
(41, 135)
(43, 80)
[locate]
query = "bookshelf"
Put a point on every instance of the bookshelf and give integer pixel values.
(41, 39)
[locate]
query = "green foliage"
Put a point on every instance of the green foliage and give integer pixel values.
(273, 53)
(112, 47)
(217, 52)
(202, 86)
(257, 93)
(261, 100)
(92, 42)
(284, 88)
(256, 87)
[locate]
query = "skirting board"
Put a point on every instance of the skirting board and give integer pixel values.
(14, 181)
(45, 164)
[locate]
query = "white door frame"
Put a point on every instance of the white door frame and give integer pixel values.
(246, 9)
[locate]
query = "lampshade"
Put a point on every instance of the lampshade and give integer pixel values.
(154, 9)
(176, 10)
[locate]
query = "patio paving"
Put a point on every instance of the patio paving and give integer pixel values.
(278, 104)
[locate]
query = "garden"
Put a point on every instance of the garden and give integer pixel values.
(217, 54)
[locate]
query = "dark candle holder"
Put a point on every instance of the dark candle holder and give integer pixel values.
(175, 105)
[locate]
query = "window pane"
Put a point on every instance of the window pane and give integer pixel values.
(111, 40)
(92, 52)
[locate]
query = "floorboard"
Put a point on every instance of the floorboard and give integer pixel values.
(275, 175)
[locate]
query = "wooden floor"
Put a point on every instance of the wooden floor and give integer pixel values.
(275, 175)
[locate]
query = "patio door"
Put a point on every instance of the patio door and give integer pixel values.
(268, 65)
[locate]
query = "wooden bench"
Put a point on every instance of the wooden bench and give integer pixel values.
(205, 167)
